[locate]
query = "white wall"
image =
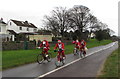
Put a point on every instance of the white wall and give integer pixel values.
(2, 28)
(24, 29)
(12, 26)
(40, 37)
(16, 28)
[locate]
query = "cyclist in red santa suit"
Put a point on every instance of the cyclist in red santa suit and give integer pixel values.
(77, 44)
(82, 46)
(60, 47)
(45, 46)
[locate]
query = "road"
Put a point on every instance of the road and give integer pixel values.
(75, 67)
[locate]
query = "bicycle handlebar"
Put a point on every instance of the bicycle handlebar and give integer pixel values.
(58, 50)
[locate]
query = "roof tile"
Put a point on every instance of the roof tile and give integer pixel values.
(24, 24)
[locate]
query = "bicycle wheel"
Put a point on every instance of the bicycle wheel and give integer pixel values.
(49, 57)
(74, 52)
(40, 58)
(57, 64)
(77, 52)
(63, 61)
(80, 54)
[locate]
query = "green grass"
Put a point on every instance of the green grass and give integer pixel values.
(119, 62)
(94, 43)
(0, 60)
(15, 58)
(110, 68)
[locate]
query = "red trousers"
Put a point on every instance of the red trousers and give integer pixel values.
(45, 51)
(59, 54)
(83, 49)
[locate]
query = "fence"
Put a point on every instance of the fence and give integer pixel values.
(18, 45)
(26, 45)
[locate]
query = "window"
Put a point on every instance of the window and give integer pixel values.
(35, 30)
(10, 23)
(27, 29)
(20, 28)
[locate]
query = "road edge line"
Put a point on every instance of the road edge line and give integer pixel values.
(73, 62)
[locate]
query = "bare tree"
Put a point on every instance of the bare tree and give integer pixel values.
(99, 26)
(52, 25)
(58, 22)
(79, 17)
(61, 16)
(92, 22)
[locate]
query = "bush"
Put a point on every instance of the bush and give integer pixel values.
(56, 38)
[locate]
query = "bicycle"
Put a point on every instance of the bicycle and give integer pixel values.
(81, 53)
(43, 56)
(75, 51)
(62, 61)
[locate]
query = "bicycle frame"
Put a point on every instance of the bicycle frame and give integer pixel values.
(61, 57)
(43, 53)
(61, 60)
(81, 53)
(43, 56)
(76, 50)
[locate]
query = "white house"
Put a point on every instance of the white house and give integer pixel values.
(2, 27)
(3, 31)
(21, 26)
(9, 30)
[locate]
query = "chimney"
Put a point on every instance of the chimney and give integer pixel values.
(1, 20)
(26, 22)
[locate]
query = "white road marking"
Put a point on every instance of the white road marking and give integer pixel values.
(73, 62)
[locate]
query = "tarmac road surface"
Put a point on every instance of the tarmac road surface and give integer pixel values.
(75, 67)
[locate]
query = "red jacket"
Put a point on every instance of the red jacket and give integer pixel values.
(77, 44)
(59, 46)
(46, 44)
(83, 43)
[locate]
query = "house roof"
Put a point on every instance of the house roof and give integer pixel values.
(12, 31)
(24, 24)
(2, 22)
(30, 33)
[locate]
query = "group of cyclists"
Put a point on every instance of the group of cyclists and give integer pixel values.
(79, 45)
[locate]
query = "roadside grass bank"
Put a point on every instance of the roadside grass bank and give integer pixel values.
(111, 66)
(0, 60)
(16, 58)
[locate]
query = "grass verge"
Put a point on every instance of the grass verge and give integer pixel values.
(110, 68)
(15, 58)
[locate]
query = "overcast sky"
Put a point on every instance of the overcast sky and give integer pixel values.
(34, 10)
